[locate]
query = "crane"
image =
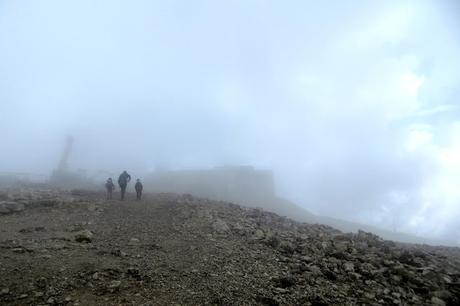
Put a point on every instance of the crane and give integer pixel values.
(63, 163)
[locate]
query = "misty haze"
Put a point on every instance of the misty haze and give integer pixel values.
(276, 152)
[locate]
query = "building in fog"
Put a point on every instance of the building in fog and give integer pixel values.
(240, 184)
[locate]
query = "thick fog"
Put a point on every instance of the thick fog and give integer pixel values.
(354, 105)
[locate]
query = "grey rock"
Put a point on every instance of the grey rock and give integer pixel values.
(273, 241)
(115, 284)
(437, 301)
(349, 266)
(219, 226)
(287, 247)
(83, 236)
(4, 291)
(7, 207)
(134, 241)
(315, 270)
(258, 235)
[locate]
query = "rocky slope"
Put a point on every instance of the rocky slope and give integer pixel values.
(74, 248)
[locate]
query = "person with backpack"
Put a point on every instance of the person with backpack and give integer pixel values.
(123, 181)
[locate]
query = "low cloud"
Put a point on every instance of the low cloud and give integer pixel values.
(353, 106)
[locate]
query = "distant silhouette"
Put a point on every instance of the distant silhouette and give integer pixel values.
(123, 181)
(110, 186)
(138, 188)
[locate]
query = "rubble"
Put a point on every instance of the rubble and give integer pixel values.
(173, 249)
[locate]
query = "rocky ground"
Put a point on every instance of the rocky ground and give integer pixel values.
(75, 248)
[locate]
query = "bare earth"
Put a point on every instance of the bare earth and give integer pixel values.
(75, 248)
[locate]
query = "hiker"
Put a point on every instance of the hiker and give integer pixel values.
(123, 181)
(110, 186)
(138, 188)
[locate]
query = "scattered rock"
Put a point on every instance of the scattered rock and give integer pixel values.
(85, 236)
(349, 266)
(4, 210)
(315, 270)
(258, 235)
(118, 253)
(247, 256)
(287, 247)
(32, 229)
(220, 226)
(134, 272)
(134, 241)
(437, 301)
(285, 281)
(7, 207)
(4, 291)
(38, 294)
(267, 301)
(19, 250)
(114, 285)
(273, 241)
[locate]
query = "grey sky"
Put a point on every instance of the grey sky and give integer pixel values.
(353, 104)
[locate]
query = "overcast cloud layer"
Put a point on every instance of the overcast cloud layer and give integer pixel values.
(353, 104)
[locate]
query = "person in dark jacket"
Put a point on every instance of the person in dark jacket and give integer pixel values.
(123, 181)
(138, 188)
(110, 186)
